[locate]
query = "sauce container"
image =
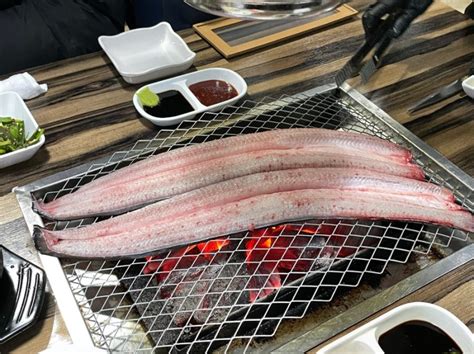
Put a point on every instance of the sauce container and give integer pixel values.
(367, 338)
(175, 89)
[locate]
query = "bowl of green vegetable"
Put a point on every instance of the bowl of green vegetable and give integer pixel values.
(20, 136)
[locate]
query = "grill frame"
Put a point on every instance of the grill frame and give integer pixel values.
(66, 301)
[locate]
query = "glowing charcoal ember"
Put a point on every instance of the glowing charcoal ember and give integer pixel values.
(168, 265)
(206, 249)
(265, 280)
(210, 247)
(188, 276)
(277, 250)
(203, 283)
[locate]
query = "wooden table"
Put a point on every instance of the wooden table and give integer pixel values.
(87, 114)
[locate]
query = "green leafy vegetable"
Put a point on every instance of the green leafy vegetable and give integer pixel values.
(6, 120)
(12, 135)
(148, 98)
(35, 137)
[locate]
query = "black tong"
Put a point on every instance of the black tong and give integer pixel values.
(380, 40)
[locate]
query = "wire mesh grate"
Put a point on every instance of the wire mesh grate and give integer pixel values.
(239, 288)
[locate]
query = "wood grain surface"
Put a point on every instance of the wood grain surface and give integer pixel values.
(87, 112)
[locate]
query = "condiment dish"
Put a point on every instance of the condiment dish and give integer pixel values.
(182, 83)
(146, 54)
(365, 339)
(12, 105)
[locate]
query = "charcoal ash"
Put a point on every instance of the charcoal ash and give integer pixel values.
(207, 294)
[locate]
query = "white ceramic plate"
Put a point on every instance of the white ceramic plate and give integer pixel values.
(146, 54)
(364, 340)
(182, 83)
(11, 105)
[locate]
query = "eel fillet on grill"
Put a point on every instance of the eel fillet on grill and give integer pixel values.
(180, 170)
(264, 183)
(250, 213)
(122, 198)
(279, 139)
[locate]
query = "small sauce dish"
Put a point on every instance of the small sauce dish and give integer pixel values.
(185, 96)
(405, 329)
(146, 54)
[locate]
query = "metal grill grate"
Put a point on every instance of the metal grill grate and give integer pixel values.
(239, 288)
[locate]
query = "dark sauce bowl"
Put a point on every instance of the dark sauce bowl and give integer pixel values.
(414, 337)
(411, 328)
(172, 104)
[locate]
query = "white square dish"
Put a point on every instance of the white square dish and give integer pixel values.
(11, 105)
(146, 54)
(182, 83)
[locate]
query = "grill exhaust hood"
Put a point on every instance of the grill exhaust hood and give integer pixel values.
(265, 9)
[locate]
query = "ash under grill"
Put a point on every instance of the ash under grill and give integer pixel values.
(235, 291)
(199, 288)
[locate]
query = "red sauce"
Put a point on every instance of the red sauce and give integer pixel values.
(210, 92)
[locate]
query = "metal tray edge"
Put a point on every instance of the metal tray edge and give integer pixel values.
(435, 155)
(65, 300)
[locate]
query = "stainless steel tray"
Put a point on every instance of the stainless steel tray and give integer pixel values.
(326, 106)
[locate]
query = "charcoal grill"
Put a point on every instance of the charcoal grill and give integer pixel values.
(260, 290)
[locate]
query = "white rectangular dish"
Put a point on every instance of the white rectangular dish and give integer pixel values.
(146, 54)
(182, 83)
(12, 105)
(365, 339)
